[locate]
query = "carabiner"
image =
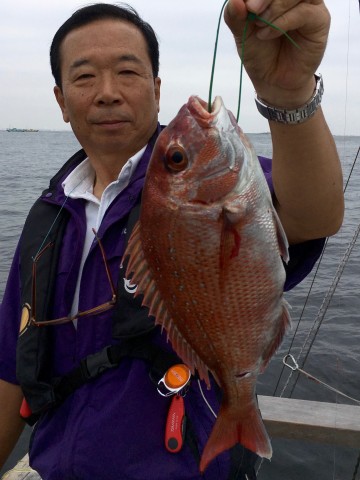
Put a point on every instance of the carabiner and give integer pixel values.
(174, 380)
(295, 365)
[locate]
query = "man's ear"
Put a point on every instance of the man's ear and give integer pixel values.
(61, 102)
(157, 92)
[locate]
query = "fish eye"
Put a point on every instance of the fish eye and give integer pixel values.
(176, 159)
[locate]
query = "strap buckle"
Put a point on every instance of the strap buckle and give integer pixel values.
(94, 365)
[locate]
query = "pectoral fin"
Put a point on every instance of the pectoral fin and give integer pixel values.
(282, 238)
(230, 239)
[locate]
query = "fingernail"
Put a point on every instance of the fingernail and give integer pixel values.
(256, 5)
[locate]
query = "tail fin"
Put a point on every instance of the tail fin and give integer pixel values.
(228, 430)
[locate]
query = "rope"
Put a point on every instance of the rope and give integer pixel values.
(308, 296)
(325, 305)
(295, 367)
(301, 314)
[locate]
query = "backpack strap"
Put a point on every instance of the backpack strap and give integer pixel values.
(130, 317)
(110, 357)
(92, 366)
(34, 343)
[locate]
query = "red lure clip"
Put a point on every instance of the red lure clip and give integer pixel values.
(175, 425)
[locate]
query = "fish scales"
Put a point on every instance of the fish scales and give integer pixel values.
(206, 254)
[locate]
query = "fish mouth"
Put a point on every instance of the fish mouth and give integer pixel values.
(199, 108)
(217, 105)
(218, 115)
(220, 119)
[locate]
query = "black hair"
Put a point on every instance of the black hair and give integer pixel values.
(101, 11)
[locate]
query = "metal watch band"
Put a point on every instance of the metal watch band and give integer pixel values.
(297, 115)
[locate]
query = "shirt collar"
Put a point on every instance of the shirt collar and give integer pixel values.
(80, 182)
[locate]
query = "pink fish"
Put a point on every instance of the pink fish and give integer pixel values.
(206, 254)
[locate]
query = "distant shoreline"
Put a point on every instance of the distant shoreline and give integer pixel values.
(43, 130)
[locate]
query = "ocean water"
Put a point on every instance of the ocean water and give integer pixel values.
(27, 162)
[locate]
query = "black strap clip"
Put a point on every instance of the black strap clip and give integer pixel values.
(94, 365)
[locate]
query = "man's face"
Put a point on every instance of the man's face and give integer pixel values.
(108, 92)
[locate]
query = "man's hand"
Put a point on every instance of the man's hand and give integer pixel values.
(11, 424)
(282, 74)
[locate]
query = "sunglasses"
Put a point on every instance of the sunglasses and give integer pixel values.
(91, 311)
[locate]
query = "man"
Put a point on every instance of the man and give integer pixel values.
(101, 418)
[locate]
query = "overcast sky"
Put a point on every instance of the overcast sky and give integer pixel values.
(186, 31)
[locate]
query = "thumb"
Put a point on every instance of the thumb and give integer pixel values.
(235, 15)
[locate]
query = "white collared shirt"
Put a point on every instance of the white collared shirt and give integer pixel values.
(80, 184)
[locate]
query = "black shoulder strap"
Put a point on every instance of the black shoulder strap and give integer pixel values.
(40, 242)
(34, 345)
(130, 317)
(43, 231)
(44, 225)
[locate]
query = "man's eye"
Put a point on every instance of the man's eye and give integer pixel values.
(127, 72)
(84, 76)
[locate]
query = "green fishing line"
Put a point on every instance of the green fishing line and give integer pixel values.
(253, 16)
(250, 17)
(242, 67)
(214, 57)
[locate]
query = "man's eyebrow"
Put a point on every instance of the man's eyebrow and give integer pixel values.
(130, 58)
(122, 59)
(79, 63)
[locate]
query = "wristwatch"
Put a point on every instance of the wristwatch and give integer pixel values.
(297, 115)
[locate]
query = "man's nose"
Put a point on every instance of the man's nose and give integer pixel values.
(109, 91)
